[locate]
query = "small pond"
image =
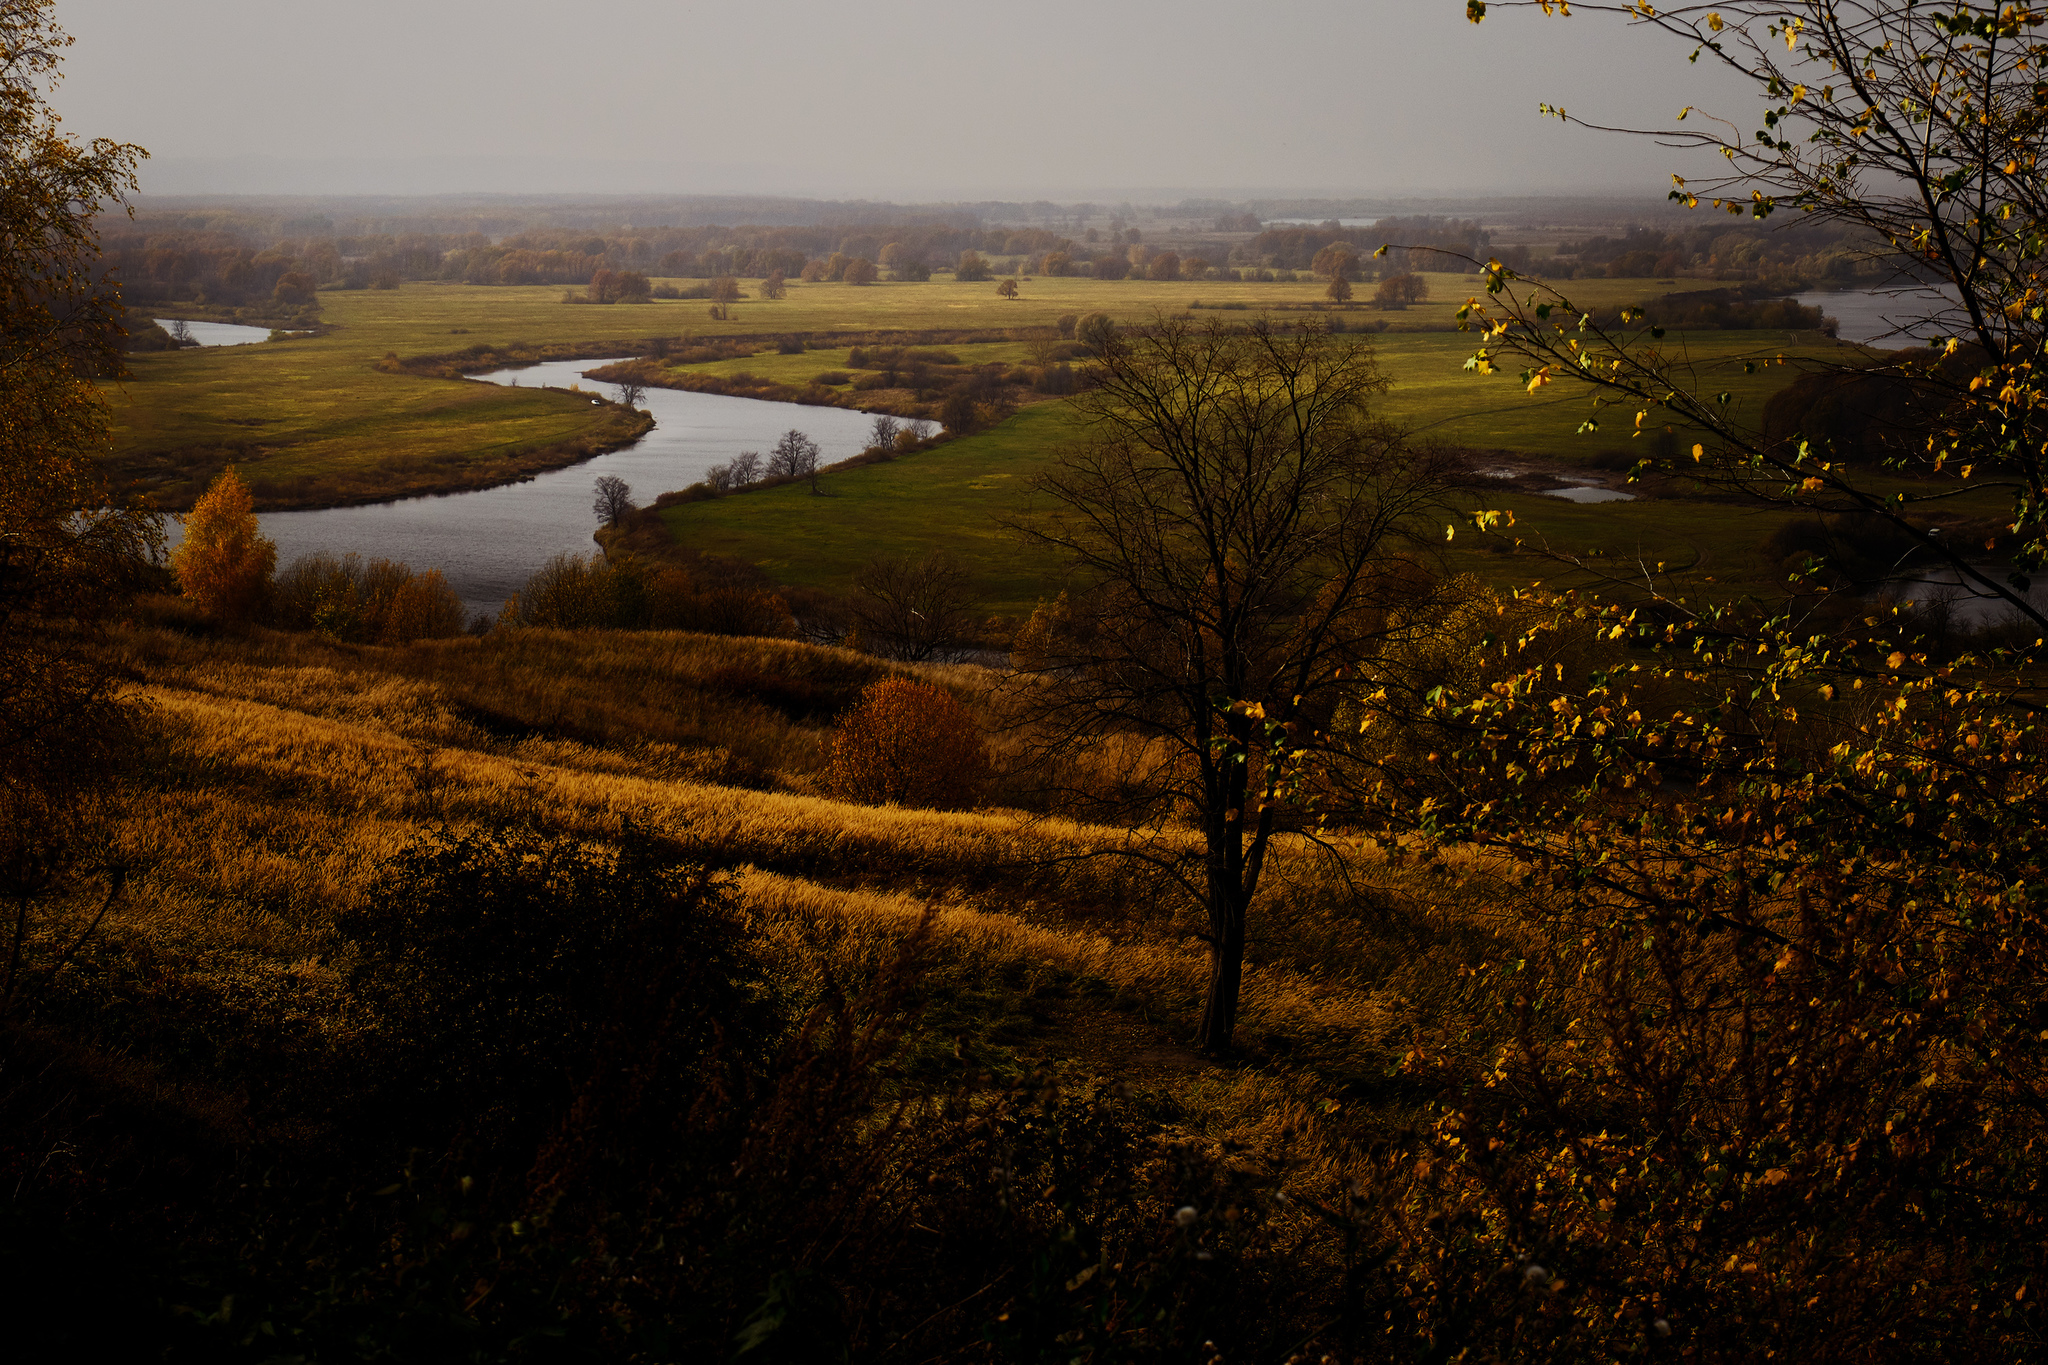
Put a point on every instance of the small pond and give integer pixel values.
(218, 333)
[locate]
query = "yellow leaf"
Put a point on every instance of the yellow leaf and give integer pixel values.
(1809, 485)
(1697, 453)
(1714, 22)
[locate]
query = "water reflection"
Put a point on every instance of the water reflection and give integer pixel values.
(1889, 317)
(216, 333)
(490, 541)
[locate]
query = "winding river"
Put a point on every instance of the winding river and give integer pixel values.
(488, 542)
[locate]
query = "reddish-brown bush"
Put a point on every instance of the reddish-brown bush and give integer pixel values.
(910, 744)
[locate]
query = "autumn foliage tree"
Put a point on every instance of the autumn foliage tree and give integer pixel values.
(1398, 291)
(225, 562)
(908, 743)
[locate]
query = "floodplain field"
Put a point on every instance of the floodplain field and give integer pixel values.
(313, 421)
(959, 496)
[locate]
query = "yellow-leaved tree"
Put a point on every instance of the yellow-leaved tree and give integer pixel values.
(225, 562)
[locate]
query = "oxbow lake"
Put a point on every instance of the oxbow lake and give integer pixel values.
(488, 542)
(218, 333)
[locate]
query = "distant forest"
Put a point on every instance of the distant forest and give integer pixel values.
(225, 259)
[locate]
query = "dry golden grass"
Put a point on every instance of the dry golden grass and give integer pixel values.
(294, 770)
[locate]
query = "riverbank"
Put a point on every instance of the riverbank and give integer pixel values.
(176, 476)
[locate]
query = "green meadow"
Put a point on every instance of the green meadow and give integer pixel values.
(958, 495)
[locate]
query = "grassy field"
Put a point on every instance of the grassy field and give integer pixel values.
(957, 495)
(313, 421)
(218, 1020)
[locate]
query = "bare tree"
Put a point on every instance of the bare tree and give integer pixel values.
(1239, 527)
(614, 499)
(725, 292)
(795, 456)
(912, 608)
(882, 435)
(746, 468)
(631, 392)
(921, 428)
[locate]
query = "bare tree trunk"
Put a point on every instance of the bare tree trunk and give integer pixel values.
(1226, 974)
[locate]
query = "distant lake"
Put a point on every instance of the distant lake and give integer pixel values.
(1874, 317)
(490, 541)
(219, 333)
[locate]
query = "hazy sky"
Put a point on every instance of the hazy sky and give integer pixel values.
(907, 99)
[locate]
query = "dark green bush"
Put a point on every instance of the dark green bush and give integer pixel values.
(505, 965)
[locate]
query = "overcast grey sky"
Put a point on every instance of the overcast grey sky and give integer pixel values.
(905, 100)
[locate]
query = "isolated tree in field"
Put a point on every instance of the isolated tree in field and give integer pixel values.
(1240, 530)
(1339, 290)
(910, 744)
(1007, 289)
(860, 270)
(795, 457)
(69, 548)
(972, 268)
(1398, 291)
(225, 562)
(1096, 331)
(725, 292)
(912, 608)
(614, 499)
(775, 286)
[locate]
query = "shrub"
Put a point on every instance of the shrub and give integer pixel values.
(498, 959)
(570, 592)
(908, 743)
(382, 602)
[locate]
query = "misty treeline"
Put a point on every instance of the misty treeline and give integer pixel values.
(1784, 256)
(235, 263)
